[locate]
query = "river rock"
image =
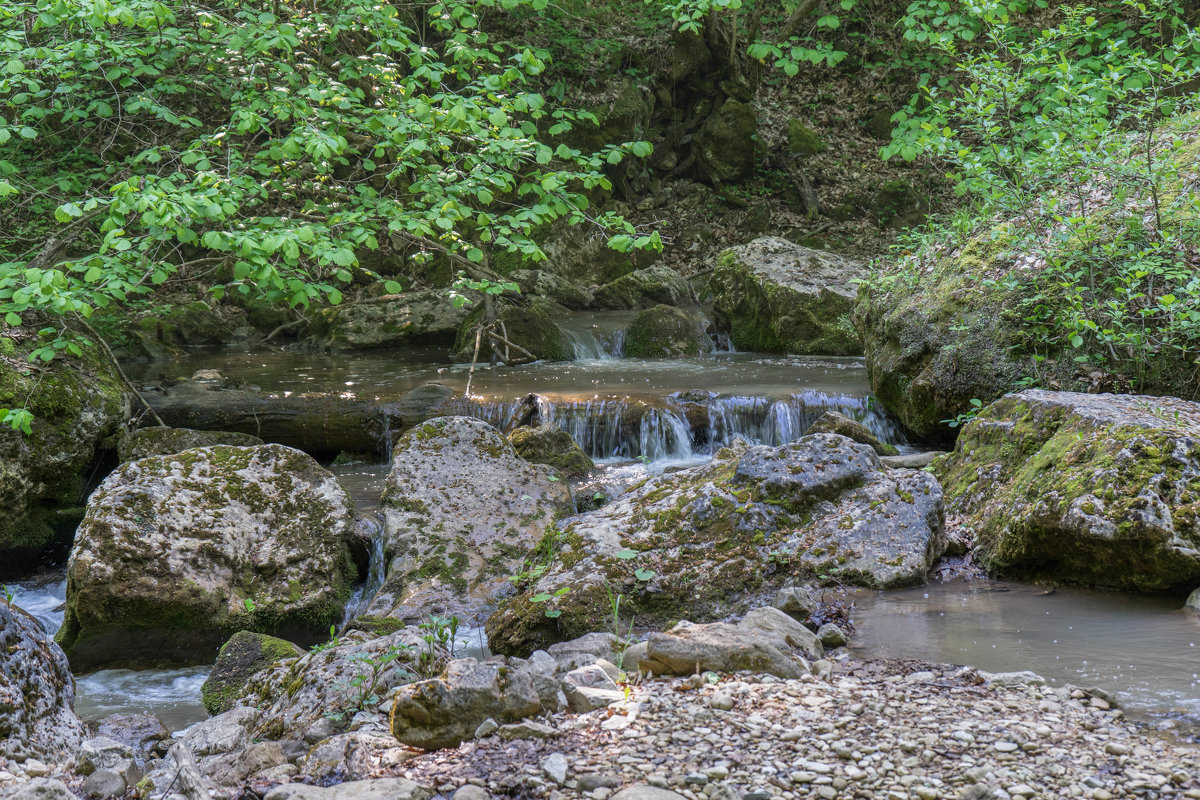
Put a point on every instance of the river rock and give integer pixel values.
(777, 623)
(36, 692)
(139, 732)
(178, 552)
(163, 441)
(444, 711)
(245, 654)
(688, 649)
(421, 317)
(774, 296)
(555, 288)
(833, 422)
(666, 331)
(1092, 489)
(1193, 601)
(40, 789)
(378, 789)
(461, 510)
(645, 288)
(707, 539)
(530, 326)
(77, 404)
(553, 447)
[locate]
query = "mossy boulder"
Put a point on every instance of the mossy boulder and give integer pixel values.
(897, 204)
(531, 326)
(176, 553)
(666, 331)
(552, 287)
(36, 692)
(1100, 490)
(774, 296)
(460, 509)
(422, 317)
(644, 288)
(803, 140)
(163, 441)
(725, 144)
(197, 323)
(245, 654)
(833, 422)
(707, 542)
(553, 447)
(78, 405)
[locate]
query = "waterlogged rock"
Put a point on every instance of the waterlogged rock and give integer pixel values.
(165, 441)
(335, 680)
(422, 317)
(77, 404)
(774, 296)
(461, 510)
(833, 422)
(689, 649)
(701, 542)
(445, 711)
(178, 552)
(36, 692)
(553, 447)
(245, 654)
(645, 288)
(1092, 489)
(666, 331)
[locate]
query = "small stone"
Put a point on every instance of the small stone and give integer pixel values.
(1117, 748)
(695, 779)
(640, 791)
(35, 769)
(527, 729)
(104, 783)
(1006, 747)
(589, 782)
(722, 701)
(831, 635)
(471, 792)
(486, 728)
(555, 767)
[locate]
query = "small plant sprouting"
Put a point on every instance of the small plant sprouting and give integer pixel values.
(966, 416)
(9, 594)
(249, 604)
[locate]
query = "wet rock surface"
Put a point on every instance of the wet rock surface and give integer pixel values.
(415, 317)
(169, 441)
(1091, 489)
(178, 552)
(699, 542)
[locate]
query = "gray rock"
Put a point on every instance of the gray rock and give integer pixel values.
(911, 460)
(555, 766)
(1094, 489)
(667, 331)
(775, 296)
(1022, 678)
(380, 789)
(176, 552)
(425, 317)
(447, 710)
(36, 716)
(40, 789)
(103, 784)
(180, 774)
(797, 602)
(245, 654)
(713, 536)
(773, 621)
(348, 756)
(645, 288)
(721, 647)
(164, 441)
(527, 729)
(541, 283)
(1193, 601)
(641, 791)
(831, 635)
(471, 792)
(584, 651)
(460, 509)
(552, 446)
(101, 753)
(139, 732)
(833, 422)
(487, 728)
(591, 781)
(590, 688)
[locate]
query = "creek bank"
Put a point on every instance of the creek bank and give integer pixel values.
(1099, 490)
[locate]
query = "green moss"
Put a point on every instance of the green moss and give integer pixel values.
(240, 658)
(665, 331)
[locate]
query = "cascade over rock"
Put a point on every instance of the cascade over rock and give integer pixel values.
(460, 511)
(178, 552)
(775, 296)
(1094, 489)
(704, 541)
(36, 692)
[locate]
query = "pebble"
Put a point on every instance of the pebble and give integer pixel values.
(1117, 748)
(555, 766)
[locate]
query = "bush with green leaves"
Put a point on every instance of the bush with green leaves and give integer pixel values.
(1076, 147)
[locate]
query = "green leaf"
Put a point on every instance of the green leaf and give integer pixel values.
(12, 319)
(625, 554)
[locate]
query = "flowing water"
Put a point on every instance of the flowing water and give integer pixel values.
(1145, 649)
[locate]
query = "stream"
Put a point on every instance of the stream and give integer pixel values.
(634, 416)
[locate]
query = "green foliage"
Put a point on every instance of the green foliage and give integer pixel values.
(966, 416)
(1077, 140)
(267, 146)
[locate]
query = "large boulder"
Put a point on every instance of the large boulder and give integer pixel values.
(245, 654)
(77, 404)
(178, 552)
(461, 510)
(530, 326)
(703, 542)
(645, 288)
(36, 692)
(774, 296)
(422, 317)
(724, 146)
(721, 647)
(163, 441)
(666, 331)
(553, 447)
(1092, 489)
(833, 422)
(552, 287)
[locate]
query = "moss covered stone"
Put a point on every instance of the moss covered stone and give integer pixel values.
(833, 422)
(774, 296)
(77, 403)
(163, 441)
(725, 145)
(666, 331)
(553, 447)
(178, 552)
(644, 288)
(245, 654)
(531, 326)
(803, 140)
(1100, 490)
(422, 317)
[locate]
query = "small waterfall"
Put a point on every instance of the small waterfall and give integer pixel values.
(664, 435)
(594, 344)
(723, 342)
(376, 572)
